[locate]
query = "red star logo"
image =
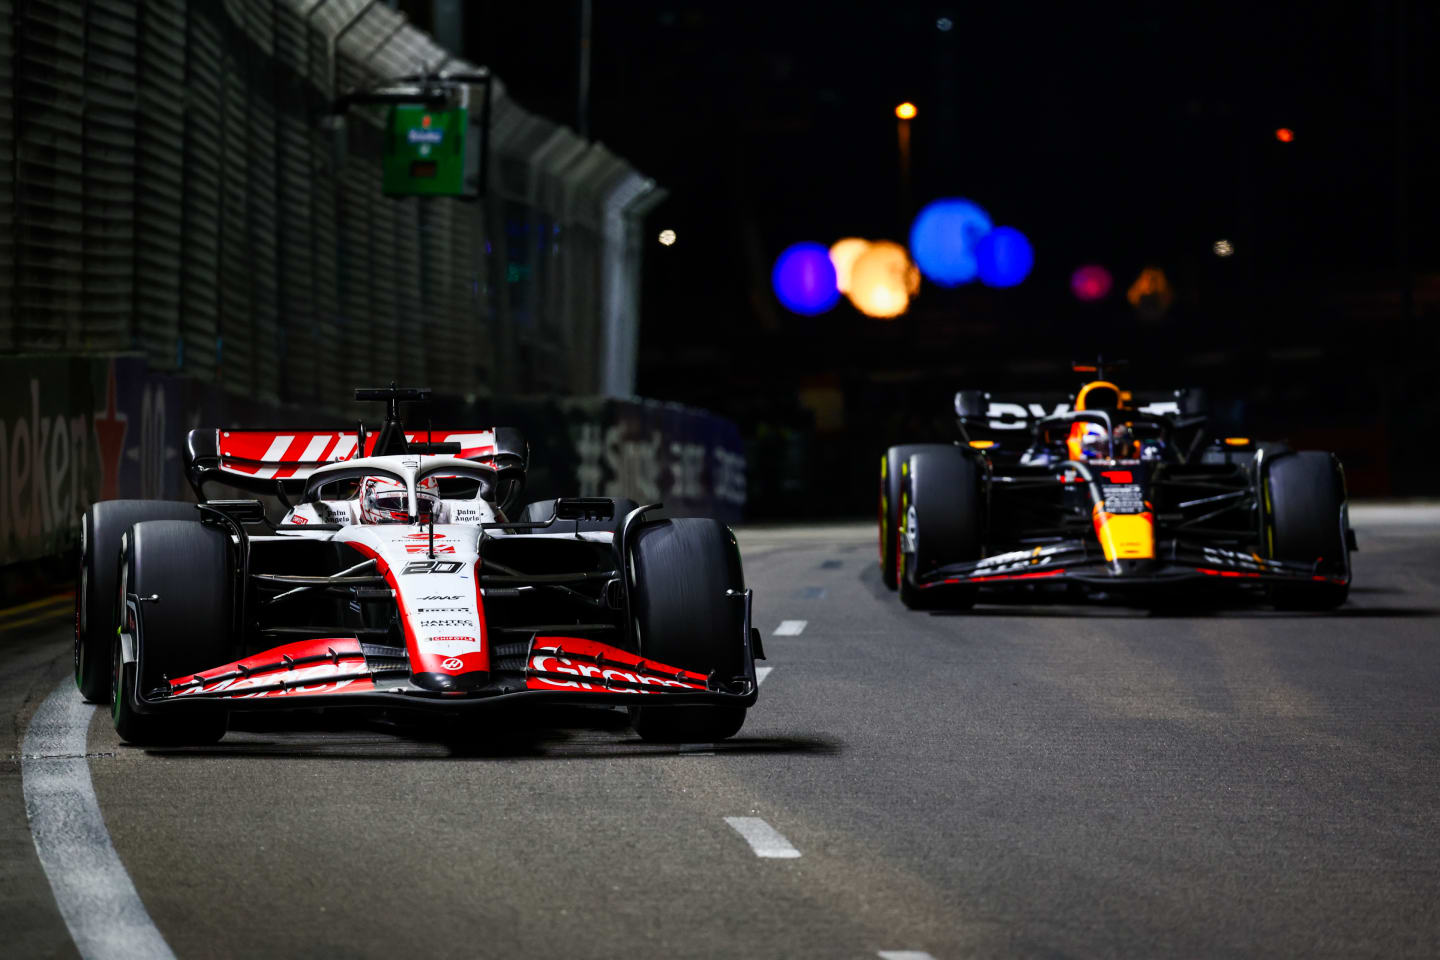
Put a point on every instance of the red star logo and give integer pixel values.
(110, 427)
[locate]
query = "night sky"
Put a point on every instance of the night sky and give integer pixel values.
(1121, 134)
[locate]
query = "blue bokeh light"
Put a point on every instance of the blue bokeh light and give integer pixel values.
(943, 239)
(1004, 257)
(804, 279)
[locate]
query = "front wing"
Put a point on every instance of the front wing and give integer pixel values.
(343, 671)
(1081, 562)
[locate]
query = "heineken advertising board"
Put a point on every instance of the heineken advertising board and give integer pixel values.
(425, 152)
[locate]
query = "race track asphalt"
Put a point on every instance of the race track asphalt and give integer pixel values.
(1022, 780)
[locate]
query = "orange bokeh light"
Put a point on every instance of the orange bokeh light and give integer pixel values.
(1284, 134)
(905, 111)
(882, 280)
(843, 255)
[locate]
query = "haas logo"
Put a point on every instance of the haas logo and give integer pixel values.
(451, 664)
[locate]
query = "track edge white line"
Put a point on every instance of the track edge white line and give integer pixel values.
(96, 897)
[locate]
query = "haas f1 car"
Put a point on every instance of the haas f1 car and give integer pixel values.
(403, 575)
(1111, 491)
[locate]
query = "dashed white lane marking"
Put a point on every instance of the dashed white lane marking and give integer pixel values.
(97, 898)
(764, 839)
(790, 628)
(761, 673)
(905, 955)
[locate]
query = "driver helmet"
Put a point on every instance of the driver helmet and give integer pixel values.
(382, 500)
(1094, 442)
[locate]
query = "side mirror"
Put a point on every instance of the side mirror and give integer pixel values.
(971, 403)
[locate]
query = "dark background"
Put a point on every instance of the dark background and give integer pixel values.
(1129, 135)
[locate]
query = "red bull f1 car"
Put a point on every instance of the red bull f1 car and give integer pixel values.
(403, 575)
(1111, 491)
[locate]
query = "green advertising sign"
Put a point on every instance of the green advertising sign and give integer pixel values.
(425, 152)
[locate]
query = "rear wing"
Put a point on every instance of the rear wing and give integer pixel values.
(1005, 422)
(269, 461)
(1010, 418)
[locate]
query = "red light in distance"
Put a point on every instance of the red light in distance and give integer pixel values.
(1284, 134)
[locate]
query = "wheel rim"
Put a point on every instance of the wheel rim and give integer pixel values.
(884, 506)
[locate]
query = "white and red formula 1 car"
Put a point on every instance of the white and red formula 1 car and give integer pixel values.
(397, 578)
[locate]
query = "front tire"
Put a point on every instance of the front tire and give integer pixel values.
(893, 467)
(101, 529)
(1305, 494)
(683, 616)
(187, 627)
(940, 524)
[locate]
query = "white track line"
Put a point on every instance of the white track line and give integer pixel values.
(905, 955)
(790, 628)
(96, 897)
(764, 839)
(761, 673)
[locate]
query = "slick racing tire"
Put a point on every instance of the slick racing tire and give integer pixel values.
(940, 523)
(174, 600)
(684, 618)
(1306, 514)
(893, 466)
(101, 529)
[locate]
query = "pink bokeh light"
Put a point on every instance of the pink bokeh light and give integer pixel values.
(1091, 282)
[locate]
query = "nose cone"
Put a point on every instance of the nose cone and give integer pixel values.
(1134, 567)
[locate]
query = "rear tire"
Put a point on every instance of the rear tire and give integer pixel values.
(1306, 496)
(101, 529)
(684, 618)
(941, 524)
(892, 471)
(186, 565)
